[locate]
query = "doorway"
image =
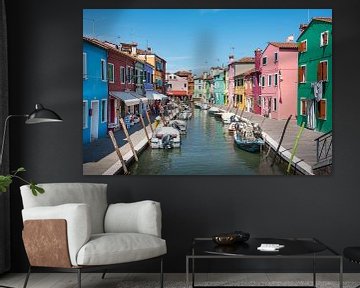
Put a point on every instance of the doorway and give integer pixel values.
(94, 129)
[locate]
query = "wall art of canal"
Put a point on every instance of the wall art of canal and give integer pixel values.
(207, 149)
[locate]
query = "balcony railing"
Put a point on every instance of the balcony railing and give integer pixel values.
(324, 148)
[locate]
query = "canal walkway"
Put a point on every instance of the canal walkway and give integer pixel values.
(305, 157)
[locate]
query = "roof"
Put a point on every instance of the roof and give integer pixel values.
(249, 72)
(322, 19)
(285, 45)
(177, 93)
(109, 47)
(245, 60)
(146, 52)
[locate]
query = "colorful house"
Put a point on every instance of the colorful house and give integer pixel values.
(159, 64)
(148, 75)
(95, 90)
(249, 86)
(237, 68)
(226, 89)
(219, 87)
(121, 82)
(199, 88)
(177, 87)
(314, 103)
(256, 91)
(279, 80)
(188, 75)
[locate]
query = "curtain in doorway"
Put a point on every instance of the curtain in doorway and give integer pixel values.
(4, 197)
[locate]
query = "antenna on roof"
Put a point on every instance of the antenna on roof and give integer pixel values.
(308, 12)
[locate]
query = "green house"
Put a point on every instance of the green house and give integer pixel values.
(314, 105)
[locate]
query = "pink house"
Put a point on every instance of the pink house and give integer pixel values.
(279, 80)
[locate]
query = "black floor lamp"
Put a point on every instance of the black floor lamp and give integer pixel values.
(39, 115)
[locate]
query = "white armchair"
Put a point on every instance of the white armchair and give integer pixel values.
(71, 227)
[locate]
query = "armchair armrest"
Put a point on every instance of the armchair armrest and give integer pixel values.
(78, 225)
(138, 217)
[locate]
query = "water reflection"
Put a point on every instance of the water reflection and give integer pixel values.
(207, 149)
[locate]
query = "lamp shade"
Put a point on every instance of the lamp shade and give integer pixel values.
(42, 115)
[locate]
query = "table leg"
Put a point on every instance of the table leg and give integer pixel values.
(341, 273)
(187, 272)
(193, 272)
(314, 271)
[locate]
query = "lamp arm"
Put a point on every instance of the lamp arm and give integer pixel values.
(4, 134)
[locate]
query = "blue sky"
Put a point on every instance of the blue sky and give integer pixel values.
(196, 39)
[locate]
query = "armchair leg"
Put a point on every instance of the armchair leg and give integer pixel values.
(79, 277)
(103, 275)
(161, 273)
(27, 277)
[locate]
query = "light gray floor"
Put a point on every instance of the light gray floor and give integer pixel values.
(122, 280)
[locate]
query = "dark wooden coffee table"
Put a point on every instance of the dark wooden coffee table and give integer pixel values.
(294, 248)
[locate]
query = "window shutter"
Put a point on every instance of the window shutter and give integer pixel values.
(322, 109)
(303, 107)
(300, 47)
(300, 73)
(324, 71)
(325, 38)
(319, 71)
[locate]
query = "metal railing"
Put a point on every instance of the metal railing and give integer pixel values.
(324, 147)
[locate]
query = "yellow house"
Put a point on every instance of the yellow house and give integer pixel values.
(239, 92)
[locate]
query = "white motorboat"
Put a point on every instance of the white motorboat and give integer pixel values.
(180, 125)
(166, 138)
(184, 115)
(204, 106)
(226, 117)
(213, 110)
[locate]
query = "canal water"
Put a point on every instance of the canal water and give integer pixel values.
(207, 149)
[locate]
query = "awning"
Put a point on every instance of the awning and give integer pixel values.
(140, 97)
(126, 97)
(153, 95)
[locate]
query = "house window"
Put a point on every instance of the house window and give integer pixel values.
(148, 77)
(276, 57)
(262, 81)
(170, 86)
(184, 85)
(132, 75)
(324, 38)
(269, 80)
(85, 114)
(303, 107)
(322, 72)
(122, 75)
(321, 109)
(276, 79)
(302, 46)
(264, 60)
(103, 110)
(84, 66)
(241, 82)
(110, 72)
(103, 70)
(302, 74)
(128, 74)
(136, 78)
(275, 104)
(241, 98)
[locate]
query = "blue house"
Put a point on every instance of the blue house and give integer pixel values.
(148, 77)
(95, 90)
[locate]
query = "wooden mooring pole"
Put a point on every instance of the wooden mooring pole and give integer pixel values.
(117, 149)
(281, 139)
(128, 138)
(146, 132)
(148, 118)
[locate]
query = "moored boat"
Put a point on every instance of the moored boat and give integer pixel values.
(166, 138)
(213, 110)
(245, 140)
(180, 125)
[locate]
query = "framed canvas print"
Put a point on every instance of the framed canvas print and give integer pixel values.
(207, 91)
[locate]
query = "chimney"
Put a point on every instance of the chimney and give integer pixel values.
(231, 59)
(290, 38)
(258, 54)
(149, 49)
(303, 27)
